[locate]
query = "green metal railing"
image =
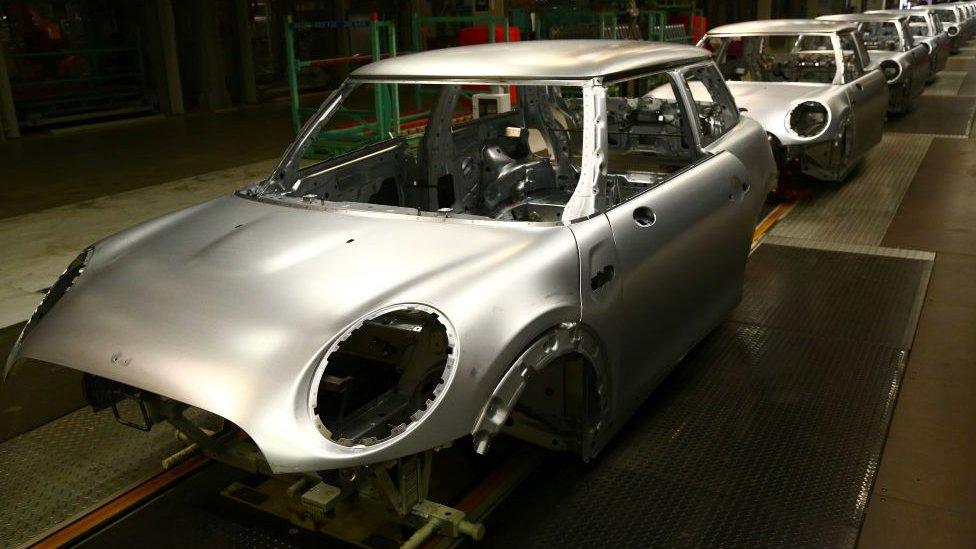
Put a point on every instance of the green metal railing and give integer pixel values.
(373, 124)
(659, 30)
(492, 21)
(606, 23)
(574, 23)
(112, 78)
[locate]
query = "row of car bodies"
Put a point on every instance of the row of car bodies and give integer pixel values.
(958, 19)
(822, 87)
(400, 282)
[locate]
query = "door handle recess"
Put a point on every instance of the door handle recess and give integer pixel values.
(599, 279)
(738, 189)
(644, 217)
(859, 86)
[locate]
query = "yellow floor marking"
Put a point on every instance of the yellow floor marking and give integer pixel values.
(771, 219)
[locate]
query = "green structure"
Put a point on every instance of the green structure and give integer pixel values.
(573, 23)
(371, 124)
(112, 81)
(491, 21)
(417, 21)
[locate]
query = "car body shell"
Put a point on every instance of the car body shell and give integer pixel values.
(911, 58)
(231, 305)
(936, 39)
(959, 29)
(856, 108)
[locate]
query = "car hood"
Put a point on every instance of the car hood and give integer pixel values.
(769, 102)
(228, 305)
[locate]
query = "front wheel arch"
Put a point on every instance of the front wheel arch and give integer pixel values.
(552, 349)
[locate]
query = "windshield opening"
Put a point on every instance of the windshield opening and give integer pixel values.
(881, 36)
(946, 15)
(918, 26)
(498, 152)
(778, 58)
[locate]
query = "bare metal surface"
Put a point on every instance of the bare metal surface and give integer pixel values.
(911, 57)
(782, 26)
(855, 107)
(230, 304)
(534, 60)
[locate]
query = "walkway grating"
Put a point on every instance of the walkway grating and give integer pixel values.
(69, 466)
(859, 210)
(947, 83)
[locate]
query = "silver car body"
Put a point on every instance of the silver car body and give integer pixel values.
(235, 305)
(954, 21)
(856, 107)
(931, 33)
(909, 58)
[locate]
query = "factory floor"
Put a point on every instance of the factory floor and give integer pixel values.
(43, 171)
(59, 193)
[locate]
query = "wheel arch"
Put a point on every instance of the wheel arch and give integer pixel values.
(552, 349)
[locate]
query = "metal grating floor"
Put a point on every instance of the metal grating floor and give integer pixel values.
(859, 210)
(947, 83)
(68, 466)
(768, 434)
(818, 304)
(944, 116)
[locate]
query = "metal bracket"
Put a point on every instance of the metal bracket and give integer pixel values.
(146, 424)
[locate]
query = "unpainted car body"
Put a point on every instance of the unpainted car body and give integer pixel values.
(926, 28)
(848, 99)
(892, 50)
(278, 306)
(954, 20)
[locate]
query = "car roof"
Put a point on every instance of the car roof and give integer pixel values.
(782, 26)
(935, 7)
(864, 17)
(533, 60)
(907, 12)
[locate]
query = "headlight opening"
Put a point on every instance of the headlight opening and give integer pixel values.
(891, 70)
(59, 289)
(808, 119)
(384, 375)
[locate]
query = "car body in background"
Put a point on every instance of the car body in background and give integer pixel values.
(892, 50)
(538, 269)
(926, 28)
(805, 81)
(954, 22)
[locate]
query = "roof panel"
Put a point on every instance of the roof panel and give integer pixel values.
(533, 60)
(781, 26)
(865, 17)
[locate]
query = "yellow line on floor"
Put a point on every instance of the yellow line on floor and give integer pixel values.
(771, 219)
